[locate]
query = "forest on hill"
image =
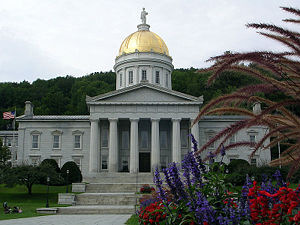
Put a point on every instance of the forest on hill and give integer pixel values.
(66, 95)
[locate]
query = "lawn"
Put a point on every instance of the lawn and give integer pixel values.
(17, 196)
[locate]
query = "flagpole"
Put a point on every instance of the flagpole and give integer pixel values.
(14, 141)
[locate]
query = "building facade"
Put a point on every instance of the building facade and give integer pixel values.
(141, 125)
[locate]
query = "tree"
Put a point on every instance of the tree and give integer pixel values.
(5, 155)
(278, 72)
(74, 175)
(24, 174)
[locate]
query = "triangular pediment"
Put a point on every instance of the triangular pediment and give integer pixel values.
(144, 93)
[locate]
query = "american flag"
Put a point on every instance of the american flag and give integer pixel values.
(8, 115)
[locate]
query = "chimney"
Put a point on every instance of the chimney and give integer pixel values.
(28, 108)
(257, 108)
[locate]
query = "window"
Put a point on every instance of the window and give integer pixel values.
(157, 80)
(130, 77)
(121, 78)
(104, 162)
(167, 80)
(252, 140)
(253, 162)
(210, 136)
(8, 142)
(184, 138)
(16, 139)
(56, 142)
(164, 162)
(124, 164)
(144, 74)
(104, 137)
(77, 139)
(144, 139)
(35, 141)
(35, 160)
(56, 139)
(125, 139)
(77, 160)
(163, 139)
(232, 140)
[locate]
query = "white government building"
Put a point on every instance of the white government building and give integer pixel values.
(139, 126)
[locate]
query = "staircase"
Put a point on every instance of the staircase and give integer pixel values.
(111, 193)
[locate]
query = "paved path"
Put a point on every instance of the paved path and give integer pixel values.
(69, 220)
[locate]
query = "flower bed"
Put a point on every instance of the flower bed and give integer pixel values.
(198, 193)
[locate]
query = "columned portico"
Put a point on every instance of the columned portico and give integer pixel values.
(113, 146)
(176, 144)
(94, 139)
(155, 148)
(134, 145)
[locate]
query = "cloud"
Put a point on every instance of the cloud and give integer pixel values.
(21, 60)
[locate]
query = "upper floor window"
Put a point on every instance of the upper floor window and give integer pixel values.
(56, 141)
(121, 79)
(163, 137)
(77, 139)
(130, 77)
(125, 139)
(184, 138)
(104, 136)
(157, 80)
(144, 74)
(35, 139)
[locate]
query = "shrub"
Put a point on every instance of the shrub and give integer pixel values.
(237, 165)
(52, 163)
(74, 172)
(49, 170)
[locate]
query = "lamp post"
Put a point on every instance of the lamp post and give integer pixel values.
(47, 202)
(67, 179)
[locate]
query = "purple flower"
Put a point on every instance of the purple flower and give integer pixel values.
(158, 182)
(223, 151)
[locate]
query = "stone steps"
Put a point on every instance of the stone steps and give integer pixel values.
(97, 209)
(118, 178)
(106, 199)
(113, 187)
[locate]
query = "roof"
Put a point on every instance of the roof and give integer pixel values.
(185, 97)
(54, 117)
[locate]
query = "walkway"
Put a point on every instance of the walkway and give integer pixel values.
(69, 220)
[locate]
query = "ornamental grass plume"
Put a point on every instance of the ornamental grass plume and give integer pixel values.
(277, 72)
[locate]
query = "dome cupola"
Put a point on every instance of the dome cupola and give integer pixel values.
(143, 57)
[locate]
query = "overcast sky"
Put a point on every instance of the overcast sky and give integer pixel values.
(49, 38)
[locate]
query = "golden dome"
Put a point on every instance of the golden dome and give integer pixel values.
(143, 41)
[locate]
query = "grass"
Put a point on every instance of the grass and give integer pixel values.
(18, 196)
(133, 220)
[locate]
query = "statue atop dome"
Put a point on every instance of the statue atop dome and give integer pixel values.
(143, 16)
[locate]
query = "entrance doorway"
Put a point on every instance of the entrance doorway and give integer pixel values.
(144, 162)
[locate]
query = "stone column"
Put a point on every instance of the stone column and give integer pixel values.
(113, 145)
(151, 78)
(176, 144)
(94, 146)
(195, 132)
(155, 147)
(134, 145)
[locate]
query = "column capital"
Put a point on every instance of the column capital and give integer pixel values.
(134, 119)
(155, 119)
(176, 119)
(113, 119)
(94, 120)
